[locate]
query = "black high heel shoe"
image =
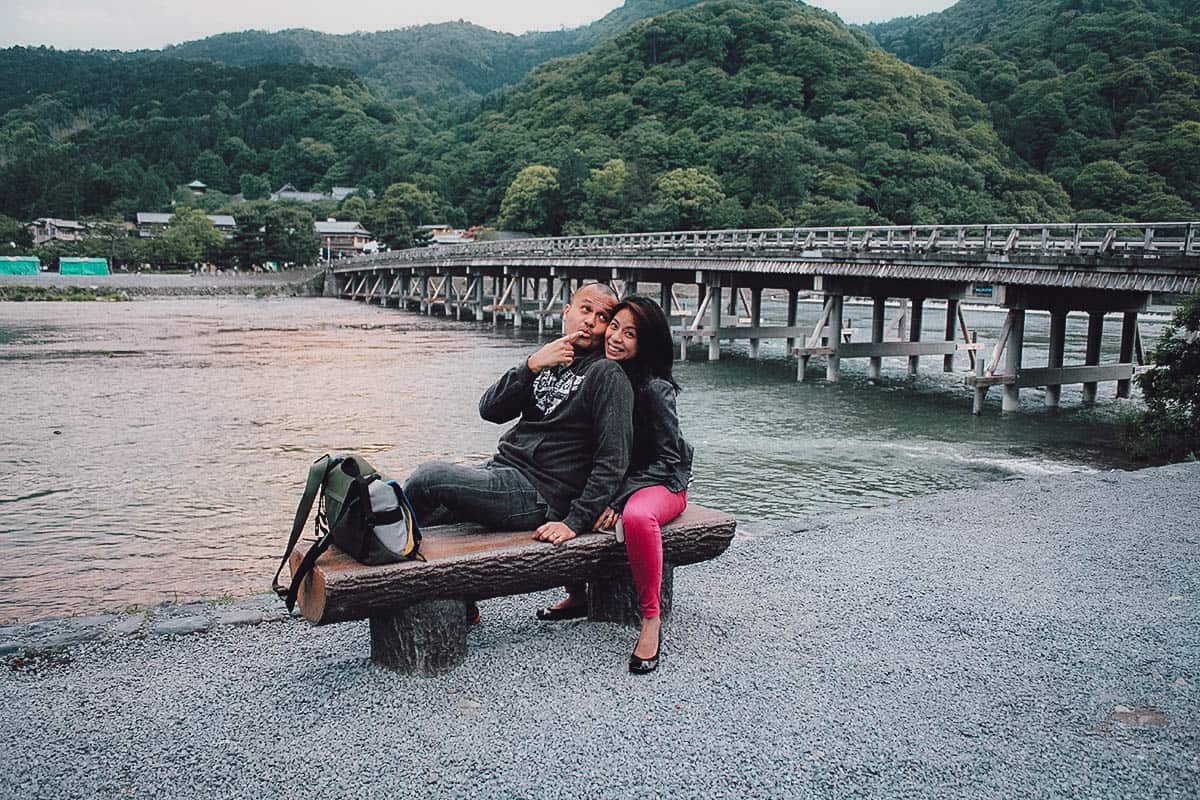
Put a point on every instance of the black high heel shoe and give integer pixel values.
(642, 666)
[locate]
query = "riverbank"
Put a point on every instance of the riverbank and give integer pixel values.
(154, 284)
(1030, 638)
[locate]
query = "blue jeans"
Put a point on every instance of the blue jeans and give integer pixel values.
(497, 497)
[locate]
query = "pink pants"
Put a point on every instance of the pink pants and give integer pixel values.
(644, 515)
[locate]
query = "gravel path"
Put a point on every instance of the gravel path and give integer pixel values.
(1036, 638)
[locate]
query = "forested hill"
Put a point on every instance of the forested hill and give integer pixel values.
(84, 134)
(450, 65)
(1101, 95)
(755, 112)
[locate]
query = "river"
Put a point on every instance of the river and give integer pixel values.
(155, 450)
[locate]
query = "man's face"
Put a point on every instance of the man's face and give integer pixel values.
(588, 313)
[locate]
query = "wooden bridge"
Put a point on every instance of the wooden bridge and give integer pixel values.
(1094, 268)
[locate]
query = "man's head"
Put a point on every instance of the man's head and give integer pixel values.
(588, 314)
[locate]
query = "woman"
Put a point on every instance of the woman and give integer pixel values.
(655, 489)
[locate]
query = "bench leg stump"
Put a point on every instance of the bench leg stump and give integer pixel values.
(614, 598)
(428, 638)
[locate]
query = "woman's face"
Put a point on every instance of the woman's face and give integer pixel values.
(620, 340)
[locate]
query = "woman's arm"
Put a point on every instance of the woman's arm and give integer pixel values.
(671, 451)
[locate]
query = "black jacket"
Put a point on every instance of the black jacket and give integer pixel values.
(661, 456)
(574, 434)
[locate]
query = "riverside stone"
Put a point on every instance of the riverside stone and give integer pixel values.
(180, 626)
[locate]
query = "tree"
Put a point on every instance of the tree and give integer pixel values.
(690, 196)
(572, 177)
(254, 187)
(1169, 428)
(191, 238)
(13, 236)
(395, 217)
(289, 235)
(531, 200)
(608, 192)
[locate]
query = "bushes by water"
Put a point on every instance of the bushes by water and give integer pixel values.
(1169, 428)
(59, 293)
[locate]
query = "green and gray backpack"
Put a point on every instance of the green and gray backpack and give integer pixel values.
(366, 515)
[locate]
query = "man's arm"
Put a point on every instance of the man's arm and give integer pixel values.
(612, 418)
(506, 398)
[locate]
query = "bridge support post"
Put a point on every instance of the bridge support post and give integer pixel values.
(1058, 335)
(834, 364)
(734, 295)
(541, 300)
(1011, 400)
(518, 297)
(631, 287)
(1091, 355)
(405, 291)
(426, 306)
(980, 390)
(497, 281)
(878, 307)
(793, 299)
(914, 331)
(755, 316)
(951, 322)
(1128, 334)
(714, 320)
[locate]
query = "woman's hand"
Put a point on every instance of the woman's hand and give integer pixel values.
(559, 351)
(607, 519)
(554, 533)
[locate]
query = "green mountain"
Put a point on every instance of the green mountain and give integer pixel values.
(736, 112)
(1101, 95)
(84, 133)
(450, 65)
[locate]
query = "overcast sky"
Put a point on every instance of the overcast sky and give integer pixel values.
(136, 24)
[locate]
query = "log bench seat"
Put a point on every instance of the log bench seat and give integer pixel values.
(417, 609)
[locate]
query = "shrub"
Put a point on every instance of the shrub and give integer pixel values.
(1169, 428)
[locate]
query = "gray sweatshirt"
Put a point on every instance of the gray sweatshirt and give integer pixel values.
(574, 434)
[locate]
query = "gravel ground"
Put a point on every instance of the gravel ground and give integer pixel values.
(1035, 638)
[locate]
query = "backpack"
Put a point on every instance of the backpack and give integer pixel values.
(366, 515)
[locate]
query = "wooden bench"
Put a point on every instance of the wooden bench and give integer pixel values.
(417, 609)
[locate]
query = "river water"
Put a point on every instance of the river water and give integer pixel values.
(155, 450)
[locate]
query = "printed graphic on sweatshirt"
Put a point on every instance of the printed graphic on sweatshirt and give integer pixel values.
(552, 386)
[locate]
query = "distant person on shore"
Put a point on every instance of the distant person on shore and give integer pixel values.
(558, 468)
(655, 490)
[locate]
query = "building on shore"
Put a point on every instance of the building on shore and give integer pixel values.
(335, 193)
(50, 229)
(151, 224)
(342, 238)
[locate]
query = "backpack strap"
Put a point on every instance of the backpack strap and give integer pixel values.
(310, 559)
(316, 478)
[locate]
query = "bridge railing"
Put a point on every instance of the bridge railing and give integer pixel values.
(1150, 240)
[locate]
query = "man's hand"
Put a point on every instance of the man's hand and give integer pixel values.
(560, 351)
(554, 533)
(607, 519)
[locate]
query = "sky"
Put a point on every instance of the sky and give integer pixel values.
(151, 24)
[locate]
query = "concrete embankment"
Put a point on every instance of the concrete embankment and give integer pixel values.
(152, 284)
(1031, 638)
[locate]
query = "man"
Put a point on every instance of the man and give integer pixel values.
(558, 467)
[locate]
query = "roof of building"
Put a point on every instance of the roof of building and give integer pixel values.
(59, 223)
(197, 185)
(340, 227)
(155, 218)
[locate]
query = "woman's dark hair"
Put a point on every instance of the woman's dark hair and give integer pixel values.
(655, 350)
